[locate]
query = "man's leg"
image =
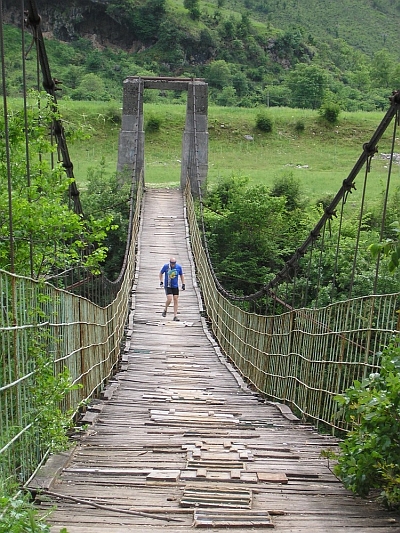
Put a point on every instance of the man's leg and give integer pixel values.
(167, 303)
(175, 305)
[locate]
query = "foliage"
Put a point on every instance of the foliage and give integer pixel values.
(193, 7)
(250, 233)
(153, 124)
(109, 195)
(47, 392)
(142, 19)
(18, 515)
(264, 123)
(48, 236)
(370, 455)
(289, 187)
(307, 84)
(271, 58)
(330, 112)
(390, 249)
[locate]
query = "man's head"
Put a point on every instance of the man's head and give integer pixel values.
(172, 261)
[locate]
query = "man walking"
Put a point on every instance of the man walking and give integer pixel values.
(171, 272)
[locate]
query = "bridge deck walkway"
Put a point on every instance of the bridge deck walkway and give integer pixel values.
(179, 442)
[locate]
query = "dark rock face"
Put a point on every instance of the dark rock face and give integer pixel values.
(68, 20)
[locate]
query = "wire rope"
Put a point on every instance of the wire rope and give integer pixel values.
(27, 151)
(7, 145)
(369, 149)
(389, 174)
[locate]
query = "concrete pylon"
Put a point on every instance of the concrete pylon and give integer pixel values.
(131, 136)
(195, 138)
(194, 164)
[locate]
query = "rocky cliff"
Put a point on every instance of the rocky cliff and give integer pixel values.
(68, 20)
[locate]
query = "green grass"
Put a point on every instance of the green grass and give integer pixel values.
(321, 156)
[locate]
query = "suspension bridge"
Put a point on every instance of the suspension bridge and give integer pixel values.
(188, 424)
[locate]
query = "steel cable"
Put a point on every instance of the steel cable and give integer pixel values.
(369, 149)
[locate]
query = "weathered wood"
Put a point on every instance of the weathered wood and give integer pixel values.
(182, 435)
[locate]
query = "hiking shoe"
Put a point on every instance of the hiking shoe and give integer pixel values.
(176, 319)
(164, 313)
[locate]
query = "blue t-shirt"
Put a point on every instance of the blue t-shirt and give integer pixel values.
(171, 275)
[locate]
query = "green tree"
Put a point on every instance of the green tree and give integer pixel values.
(219, 74)
(249, 232)
(390, 248)
(307, 84)
(108, 194)
(91, 87)
(193, 6)
(227, 97)
(42, 221)
(381, 68)
(290, 188)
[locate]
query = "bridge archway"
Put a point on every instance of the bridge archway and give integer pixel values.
(194, 165)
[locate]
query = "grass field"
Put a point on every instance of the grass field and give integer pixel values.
(321, 155)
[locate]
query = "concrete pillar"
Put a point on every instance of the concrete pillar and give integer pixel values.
(131, 137)
(195, 138)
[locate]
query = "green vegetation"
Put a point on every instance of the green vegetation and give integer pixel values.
(318, 153)
(370, 455)
(287, 54)
(18, 515)
(253, 230)
(47, 236)
(389, 248)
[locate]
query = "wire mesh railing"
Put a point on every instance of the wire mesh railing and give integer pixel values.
(303, 357)
(46, 332)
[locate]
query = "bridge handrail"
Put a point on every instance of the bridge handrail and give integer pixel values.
(303, 357)
(71, 332)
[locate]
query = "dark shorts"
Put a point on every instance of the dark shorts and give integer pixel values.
(172, 290)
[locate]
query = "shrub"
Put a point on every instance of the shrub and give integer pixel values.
(153, 124)
(299, 126)
(264, 123)
(370, 455)
(330, 112)
(289, 187)
(18, 515)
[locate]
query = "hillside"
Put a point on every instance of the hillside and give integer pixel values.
(257, 52)
(365, 25)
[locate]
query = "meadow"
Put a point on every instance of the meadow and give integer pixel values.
(319, 154)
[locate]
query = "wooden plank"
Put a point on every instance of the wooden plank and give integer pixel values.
(203, 497)
(179, 371)
(208, 518)
(272, 477)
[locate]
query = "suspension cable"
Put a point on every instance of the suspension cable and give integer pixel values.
(369, 149)
(50, 85)
(7, 145)
(27, 151)
(383, 220)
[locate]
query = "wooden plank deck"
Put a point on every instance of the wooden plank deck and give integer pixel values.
(179, 442)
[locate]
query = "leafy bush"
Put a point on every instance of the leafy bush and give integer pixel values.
(17, 515)
(370, 455)
(289, 187)
(264, 123)
(299, 126)
(389, 248)
(330, 112)
(153, 124)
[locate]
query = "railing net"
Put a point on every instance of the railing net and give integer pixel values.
(70, 332)
(303, 357)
